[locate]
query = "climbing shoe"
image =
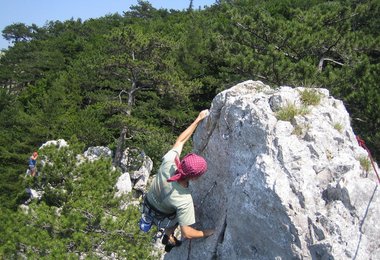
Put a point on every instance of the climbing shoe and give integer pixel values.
(168, 248)
(169, 244)
(165, 239)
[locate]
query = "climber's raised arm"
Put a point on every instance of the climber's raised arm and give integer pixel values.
(185, 135)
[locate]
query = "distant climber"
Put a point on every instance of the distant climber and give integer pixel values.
(32, 164)
(168, 202)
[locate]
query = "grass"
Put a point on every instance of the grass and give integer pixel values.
(310, 97)
(300, 130)
(288, 112)
(329, 155)
(365, 163)
(338, 127)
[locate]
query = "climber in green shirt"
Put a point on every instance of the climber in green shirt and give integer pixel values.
(169, 192)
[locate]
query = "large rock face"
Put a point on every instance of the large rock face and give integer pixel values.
(278, 189)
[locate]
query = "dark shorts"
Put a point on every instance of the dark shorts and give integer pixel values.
(161, 220)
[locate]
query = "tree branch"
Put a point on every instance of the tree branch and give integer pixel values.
(121, 92)
(321, 61)
(266, 41)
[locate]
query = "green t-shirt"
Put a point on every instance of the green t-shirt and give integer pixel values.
(170, 197)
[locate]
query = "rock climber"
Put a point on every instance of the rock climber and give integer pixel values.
(32, 164)
(169, 192)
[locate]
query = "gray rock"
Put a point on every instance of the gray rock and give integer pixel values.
(33, 195)
(24, 209)
(275, 193)
(139, 166)
(141, 176)
(123, 185)
(96, 152)
(58, 143)
(132, 159)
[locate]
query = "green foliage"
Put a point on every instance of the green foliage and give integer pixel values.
(300, 130)
(338, 127)
(19, 32)
(77, 214)
(149, 71)
(288, 112)
(365, 163)
(310, 97)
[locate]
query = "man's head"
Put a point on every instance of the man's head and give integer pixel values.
(191, 166)
(35, 155)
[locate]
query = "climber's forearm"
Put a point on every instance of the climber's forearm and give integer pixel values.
(191, 233)
(185, 135)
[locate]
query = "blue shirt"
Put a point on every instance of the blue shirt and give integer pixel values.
(32, 161)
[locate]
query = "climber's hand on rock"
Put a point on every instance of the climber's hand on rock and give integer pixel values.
(208, 232)
(203, 114)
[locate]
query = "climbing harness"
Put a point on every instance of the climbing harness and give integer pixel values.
(151, 215)
(362, 144)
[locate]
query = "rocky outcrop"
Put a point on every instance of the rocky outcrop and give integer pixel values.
(33, 195)
(282, 189)
(96, 152)
(60, 143)
(139, 165)
(136, 167)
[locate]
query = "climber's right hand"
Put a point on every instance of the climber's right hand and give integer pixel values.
(208, 232)
(202, 115)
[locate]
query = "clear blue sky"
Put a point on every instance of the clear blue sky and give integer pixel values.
(41, 11)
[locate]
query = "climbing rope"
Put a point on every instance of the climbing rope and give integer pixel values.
(362, 144)
(207, 193)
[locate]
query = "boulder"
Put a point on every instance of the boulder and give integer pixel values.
(123, 185)
(281, 189)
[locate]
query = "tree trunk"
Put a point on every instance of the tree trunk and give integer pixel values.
(120, 146)
(131, 96)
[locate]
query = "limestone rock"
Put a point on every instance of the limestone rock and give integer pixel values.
(96, 152)
(281, 189)
(24, 209)
(141, 176)
(58, 143)
(139, 166)
(132, 159)
(33, 195)
(123, 185)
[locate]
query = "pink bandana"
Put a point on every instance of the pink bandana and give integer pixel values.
(192, 165)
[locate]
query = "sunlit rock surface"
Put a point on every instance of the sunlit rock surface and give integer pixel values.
(282, 189)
